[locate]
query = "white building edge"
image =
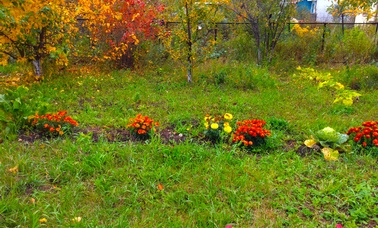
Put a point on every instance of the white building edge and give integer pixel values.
(319, 8)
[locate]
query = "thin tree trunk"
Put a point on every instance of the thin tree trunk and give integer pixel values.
(38, 52)
(189, 60)
(37, 67)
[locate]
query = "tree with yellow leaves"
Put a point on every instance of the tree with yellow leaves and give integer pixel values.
(32, 30)
(341, 8)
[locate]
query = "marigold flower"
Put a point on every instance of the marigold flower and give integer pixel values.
(141, 132)
(52, 129)
(46, 125)
(228, 116)
(62, 113)
(369, 130)
(208, 117)
(249, 129)
(214, 126)
(227, 129)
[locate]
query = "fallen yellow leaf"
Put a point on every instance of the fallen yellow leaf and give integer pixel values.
(76, 219)
(14, 169)
(310, 143)
(43, 220)
(330, 154)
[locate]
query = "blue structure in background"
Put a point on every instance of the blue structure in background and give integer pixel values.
(304, 5)
(308, 6)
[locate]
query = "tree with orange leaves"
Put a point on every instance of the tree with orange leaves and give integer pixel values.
(117, 26)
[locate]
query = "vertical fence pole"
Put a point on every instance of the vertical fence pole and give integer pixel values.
(288, 27)
(323, 36)
(376, 31)
(216, 32)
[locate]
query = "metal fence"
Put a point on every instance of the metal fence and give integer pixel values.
(226, 28)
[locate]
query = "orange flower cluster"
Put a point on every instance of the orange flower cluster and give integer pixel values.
(141, 125)
(53, 122)
(366, 135)
(250, 132)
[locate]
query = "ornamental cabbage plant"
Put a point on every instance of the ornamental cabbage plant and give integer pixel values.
(330, 141)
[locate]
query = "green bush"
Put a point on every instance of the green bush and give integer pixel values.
(356, 45)
(15, 108)
(361, 77)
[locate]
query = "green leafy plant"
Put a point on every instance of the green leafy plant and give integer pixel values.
(217, 127)
(329, 141)
(53, 124)
(15, 109)
(278, 124)
(142, 126)
(343, 95)
(250, 133)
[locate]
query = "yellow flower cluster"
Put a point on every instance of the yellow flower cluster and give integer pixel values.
(217, 121)
(301, 32)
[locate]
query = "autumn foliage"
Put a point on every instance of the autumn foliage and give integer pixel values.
(35, 30)
(117, 26)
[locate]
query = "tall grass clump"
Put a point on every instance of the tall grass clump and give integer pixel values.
(355, 46)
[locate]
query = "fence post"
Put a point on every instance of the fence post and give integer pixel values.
(288, 28)
(323, 36)
(376, 31)
(215, 32)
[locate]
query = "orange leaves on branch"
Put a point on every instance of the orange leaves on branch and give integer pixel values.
(118, 25)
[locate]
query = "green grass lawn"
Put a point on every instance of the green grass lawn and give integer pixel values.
(124, 183)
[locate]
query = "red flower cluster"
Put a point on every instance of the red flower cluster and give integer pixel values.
(366, 135)
(141, 125)
(250, 132)
(54, 122)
